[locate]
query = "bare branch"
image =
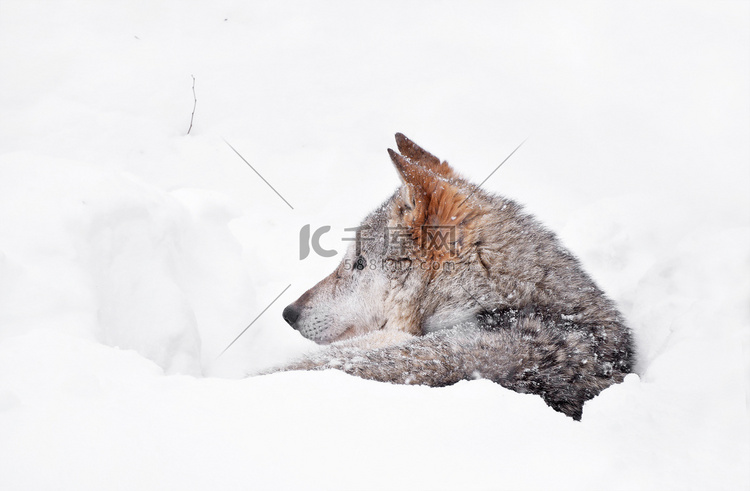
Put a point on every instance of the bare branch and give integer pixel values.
(195, 103)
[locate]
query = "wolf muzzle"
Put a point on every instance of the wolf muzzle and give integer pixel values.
(291, 315)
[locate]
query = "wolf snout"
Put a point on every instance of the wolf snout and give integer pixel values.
(291, 314)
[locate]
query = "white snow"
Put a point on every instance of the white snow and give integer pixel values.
(132, 254)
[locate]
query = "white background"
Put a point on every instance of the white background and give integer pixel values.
(131, 253)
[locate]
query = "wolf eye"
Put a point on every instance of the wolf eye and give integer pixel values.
(360, 263)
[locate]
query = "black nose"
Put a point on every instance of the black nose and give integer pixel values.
(291, 314)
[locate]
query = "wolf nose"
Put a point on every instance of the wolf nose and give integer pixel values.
(291, 314)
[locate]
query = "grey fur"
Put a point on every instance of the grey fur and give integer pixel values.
(509, 303)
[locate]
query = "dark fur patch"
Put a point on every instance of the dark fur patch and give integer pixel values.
(544, 326)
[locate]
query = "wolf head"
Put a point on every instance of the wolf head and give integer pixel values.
(412, 255)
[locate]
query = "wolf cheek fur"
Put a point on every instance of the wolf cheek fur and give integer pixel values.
(449, 283)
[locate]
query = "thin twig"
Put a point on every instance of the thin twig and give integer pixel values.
(195, 103)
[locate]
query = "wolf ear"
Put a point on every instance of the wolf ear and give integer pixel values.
(432, 208)
(420, 156)
(408, 171)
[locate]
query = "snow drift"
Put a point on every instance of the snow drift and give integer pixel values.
(131, 254)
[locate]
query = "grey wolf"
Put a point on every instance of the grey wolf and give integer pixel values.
(448, 282)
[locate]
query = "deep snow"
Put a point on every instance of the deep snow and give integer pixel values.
(132, 254)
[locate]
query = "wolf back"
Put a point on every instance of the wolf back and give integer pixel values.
(473, 287)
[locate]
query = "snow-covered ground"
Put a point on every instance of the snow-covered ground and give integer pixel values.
(132, 253)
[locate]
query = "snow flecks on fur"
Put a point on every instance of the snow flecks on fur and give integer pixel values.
(431, 201)
(422, 157)
(514, 306)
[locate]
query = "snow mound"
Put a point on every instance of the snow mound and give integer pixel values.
(131, 254)
(99, 254)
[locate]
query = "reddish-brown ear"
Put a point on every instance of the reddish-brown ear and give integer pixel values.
(420, 156)
(414, 152)
(411, 172)
(433, 208)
